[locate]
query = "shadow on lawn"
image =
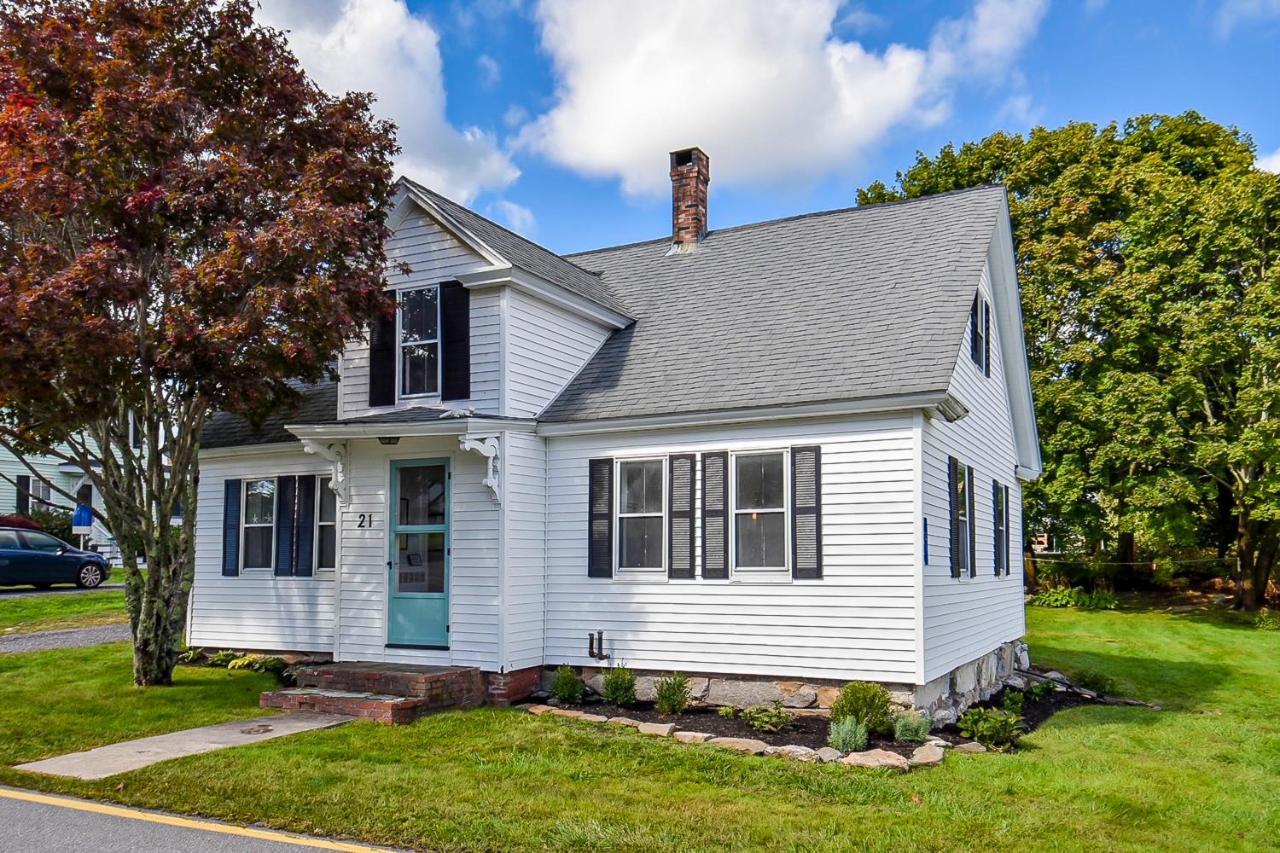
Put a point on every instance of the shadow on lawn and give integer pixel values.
(1173, 684)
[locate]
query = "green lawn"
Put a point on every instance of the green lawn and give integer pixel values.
(51, 612)
(1203, 773)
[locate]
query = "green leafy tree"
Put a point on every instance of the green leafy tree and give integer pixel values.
(1124, 250)
(187, 223)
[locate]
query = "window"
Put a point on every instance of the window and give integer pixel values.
(1000, 513)
(962, 553)
(40, 492)
(41, 542)
(419, 342)
(9, 540)
(259, 523)
(977, 342)
(326, 525)
(760, 511)
(641, 514)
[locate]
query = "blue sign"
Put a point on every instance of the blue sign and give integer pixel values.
(82, 519)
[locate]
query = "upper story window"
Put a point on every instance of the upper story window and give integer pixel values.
(760, 511)
(980, 334)
(419, 342)
(259, 524)
(641, 514)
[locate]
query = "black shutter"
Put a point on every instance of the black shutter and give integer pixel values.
(304, 528)
(24, 494)
(973, 525)
(806, 512)
(953, 508)
(600, 518)
(455, 341)
(286, 518)
(996, 515)
(231, 528)
(715, 515)
(986, 339)
(681, 545)
(382, 361)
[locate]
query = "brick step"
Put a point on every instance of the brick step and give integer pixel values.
(439, 686)
(389, 710)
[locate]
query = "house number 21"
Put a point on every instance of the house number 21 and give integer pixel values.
(365, 519)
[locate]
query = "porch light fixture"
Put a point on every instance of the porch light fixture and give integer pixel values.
(388, 439)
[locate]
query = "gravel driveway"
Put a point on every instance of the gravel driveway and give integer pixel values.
(44, 640)
(28, 592)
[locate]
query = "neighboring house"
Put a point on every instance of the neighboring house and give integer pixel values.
(787, 453)
(22, 492)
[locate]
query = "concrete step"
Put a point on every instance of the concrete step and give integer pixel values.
(381, 708)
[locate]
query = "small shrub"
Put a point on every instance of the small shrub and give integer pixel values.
(223, 658)
(998, 730)
(1098, 682)
(566, 686)
(911, 727)
(728, 712)
(768, 718)
(1267, 621)
(867, 703)
(55, 521)
(847, 735)
(672, 693)
(190, 655)
(1099, 599)
(619, 687)
(259, 663)
(1057, 596)
(1041, 690)
(1012, 701)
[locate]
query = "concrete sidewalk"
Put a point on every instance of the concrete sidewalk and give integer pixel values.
(134, 754)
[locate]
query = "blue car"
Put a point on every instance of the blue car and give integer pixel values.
(32, 557)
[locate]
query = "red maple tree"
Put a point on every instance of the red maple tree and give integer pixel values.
(187, 224)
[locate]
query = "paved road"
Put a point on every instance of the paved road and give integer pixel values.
(40, 641)
(62, 825)
(29, 592)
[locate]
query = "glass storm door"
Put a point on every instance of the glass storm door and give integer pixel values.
(418, 613)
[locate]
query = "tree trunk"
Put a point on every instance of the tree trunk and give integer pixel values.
(1256, 547)
(1126, 548)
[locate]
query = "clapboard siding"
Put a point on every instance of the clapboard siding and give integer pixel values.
(256, 609)
(524, 541)
(966, 618)
(546, 347)
(11, 467)
(473, 571)
(857, 622)
(434, 255)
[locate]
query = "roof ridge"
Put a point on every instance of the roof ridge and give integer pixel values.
(857, 208)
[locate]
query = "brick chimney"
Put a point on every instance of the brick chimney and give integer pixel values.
(690, 175)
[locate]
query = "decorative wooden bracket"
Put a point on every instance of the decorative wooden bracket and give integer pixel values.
(336, 455)
(487, 446)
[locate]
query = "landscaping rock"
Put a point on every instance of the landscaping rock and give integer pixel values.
(659, 729)
(944, 717)
(877, 758)
(970, 747)
(742, 744)
(565, 712)
(797, 694)
(828, 754)
(1054, 675)
(927, 756)
(938, 742)
(539, 710)
(625, 721)
(827, 696)
(1022, 656)
(1016, 682)
(693, 737)
(793, 752)
(743, 694)
(594, 718)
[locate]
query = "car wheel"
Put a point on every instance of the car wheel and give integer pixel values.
(90, 575)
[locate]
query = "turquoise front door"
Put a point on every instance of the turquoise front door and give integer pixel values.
(418, 612)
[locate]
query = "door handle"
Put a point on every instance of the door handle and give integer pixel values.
(391, 567)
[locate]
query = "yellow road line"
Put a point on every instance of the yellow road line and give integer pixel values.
(182, 822)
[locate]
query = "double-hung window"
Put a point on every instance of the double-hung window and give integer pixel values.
(41, 493)
(961, 481)
(259, 524)
(641, 515)
(419, 342)
(760, 512)
(326, 525)
(1000, 514)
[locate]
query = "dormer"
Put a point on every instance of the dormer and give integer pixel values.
(487, 321)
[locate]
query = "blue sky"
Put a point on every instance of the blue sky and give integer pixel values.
(555, 117)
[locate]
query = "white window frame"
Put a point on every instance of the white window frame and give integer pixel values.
(244, 525)
(401, 344)
(40, 492)
(618, 515)
(1002, 521)
(322, 484)
(760, 572)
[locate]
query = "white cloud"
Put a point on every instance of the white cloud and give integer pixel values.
(1270, 162)
(379, 46)
(1233, 13)
(517, 217)
(490, 70)
(765, 88)
(859, 19)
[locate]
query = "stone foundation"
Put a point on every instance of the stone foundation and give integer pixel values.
(947, 697)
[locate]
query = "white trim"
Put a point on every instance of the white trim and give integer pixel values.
(436, 426)
(872, 405)
(637, 572)
(316, 568)
(775, 574)
(400, 345)
(472, 241)
(1013, 349)
(526, 282)
(244, 525)
(920, 536)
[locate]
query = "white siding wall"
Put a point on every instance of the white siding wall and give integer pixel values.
(434, 255)
(524, 571)
(256, 609)
(11, 468)
(968, 617)
(473, 582)
(546, 347)
(858, 622)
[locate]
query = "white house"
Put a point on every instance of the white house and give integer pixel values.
(22, 492)
(785, 455)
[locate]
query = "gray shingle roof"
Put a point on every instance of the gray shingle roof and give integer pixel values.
(526, 254)
(844, 305)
